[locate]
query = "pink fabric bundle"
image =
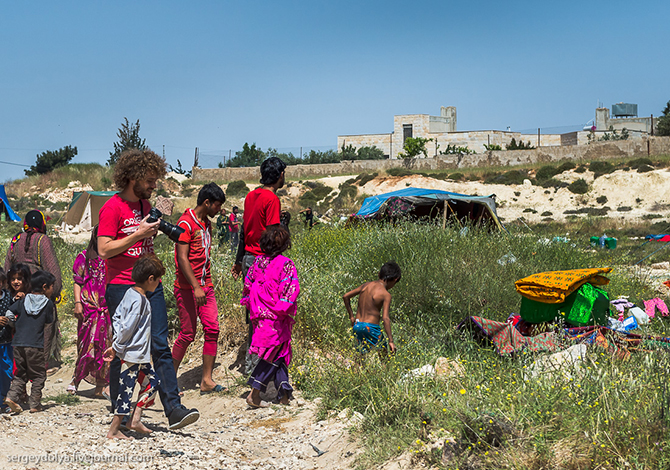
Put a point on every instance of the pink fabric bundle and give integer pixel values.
(651, 305)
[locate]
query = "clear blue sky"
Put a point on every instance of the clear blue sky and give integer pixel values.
(285, 74)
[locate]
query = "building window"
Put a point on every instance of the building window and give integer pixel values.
(406, 132)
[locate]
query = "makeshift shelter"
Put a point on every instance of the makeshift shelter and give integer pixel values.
(431, 203)
(82, 215)
(6, 209)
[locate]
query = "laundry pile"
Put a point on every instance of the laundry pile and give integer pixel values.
(560, 309)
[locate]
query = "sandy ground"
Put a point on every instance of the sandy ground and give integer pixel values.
(228, 434)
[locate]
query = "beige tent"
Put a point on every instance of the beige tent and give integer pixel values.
(84, 209)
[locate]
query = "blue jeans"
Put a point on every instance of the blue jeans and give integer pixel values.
(160, 350)
(6, 369)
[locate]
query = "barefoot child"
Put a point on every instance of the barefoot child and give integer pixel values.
(132, 343)
(374, 301)
(270, 291)
(29, 316)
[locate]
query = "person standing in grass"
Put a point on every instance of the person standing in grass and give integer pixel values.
(234, 225)
(193, 288)
(374, 304)
(94, 327)
(271, 289)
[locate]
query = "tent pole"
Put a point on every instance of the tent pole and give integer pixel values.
(444, 215)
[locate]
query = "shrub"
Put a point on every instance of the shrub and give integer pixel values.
(364, 178)
(624, 209)
(554, 183)
(651, 216)
(601, 199)
(492, 147)
(398, 172)
(580, 169)
(566, 166)
(547, 214)
(644, 168)
(638, 162)
(456, 176)
(600, 168)
(514, 145)
(509, 177)
(235, 188)
(578, 187)
(546, 172)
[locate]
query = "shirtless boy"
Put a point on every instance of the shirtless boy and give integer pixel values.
(374, 302)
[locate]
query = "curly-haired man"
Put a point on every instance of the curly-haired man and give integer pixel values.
(124, 235)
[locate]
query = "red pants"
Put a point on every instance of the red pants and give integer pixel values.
(188, 314)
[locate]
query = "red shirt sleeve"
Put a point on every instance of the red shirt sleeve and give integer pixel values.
(188, 230)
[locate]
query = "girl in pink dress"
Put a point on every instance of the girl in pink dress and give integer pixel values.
(271, 289)
(93, 325)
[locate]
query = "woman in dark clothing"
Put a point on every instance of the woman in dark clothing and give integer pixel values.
(33, 247)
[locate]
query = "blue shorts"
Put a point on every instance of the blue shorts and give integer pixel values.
(368, 335)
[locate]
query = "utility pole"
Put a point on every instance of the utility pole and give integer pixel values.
(163, 151)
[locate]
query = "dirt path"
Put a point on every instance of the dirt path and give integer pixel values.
(228, 435)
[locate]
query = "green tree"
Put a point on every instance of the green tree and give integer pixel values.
(50, 160)
(250, 155)
(663, 126)
(414, 146)
(129, 138)
(370, 153)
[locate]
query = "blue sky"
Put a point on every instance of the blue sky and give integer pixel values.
(217, 74)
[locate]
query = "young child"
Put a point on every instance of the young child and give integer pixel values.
(132, 343)
(6, 351)
(270, 291)
(29, 316)
(19, 281)
(374, 301)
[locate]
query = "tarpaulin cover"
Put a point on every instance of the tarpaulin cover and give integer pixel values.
(658, 238)
(10, 212)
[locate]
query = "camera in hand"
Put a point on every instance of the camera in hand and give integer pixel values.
(172, 231)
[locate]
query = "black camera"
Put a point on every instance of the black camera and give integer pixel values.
(172, 231)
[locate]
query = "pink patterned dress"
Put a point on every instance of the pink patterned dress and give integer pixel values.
(271, 289)
(94, 332)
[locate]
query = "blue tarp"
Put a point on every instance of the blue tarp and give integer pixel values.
(10, 212)
(373, 204)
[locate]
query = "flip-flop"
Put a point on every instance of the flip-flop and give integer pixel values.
(253, 406)
(105, 395)
(217, 389)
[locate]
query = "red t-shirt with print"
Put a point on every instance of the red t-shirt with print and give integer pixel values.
(198, 237)
(234, 226)
(118, 219)
(261, 209)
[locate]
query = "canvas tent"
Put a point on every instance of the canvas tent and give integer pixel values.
(6, 209)
(82, 215)
(431, 203)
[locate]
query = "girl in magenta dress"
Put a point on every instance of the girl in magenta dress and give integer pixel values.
(271, 289)
(93, 326)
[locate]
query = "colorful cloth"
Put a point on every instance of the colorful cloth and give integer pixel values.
(553, 287)
(271, 289)
(94, 332)
(368, 335)
(130, 374)
(506, 338)
(651, 305)
(6, 370)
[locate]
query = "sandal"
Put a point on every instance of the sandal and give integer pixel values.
(71, 389)
(217, 389)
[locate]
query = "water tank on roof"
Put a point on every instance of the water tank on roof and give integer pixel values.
(624, 110)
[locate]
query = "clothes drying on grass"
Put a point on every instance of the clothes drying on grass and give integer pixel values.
(553, 287)
(658, 238)
(651, 305)
(588, 305)
(507, 339)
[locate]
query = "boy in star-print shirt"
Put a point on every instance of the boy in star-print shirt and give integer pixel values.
(132, 343)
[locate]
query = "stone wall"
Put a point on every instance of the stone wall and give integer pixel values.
(639, 147)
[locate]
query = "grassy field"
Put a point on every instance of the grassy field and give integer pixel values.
(610, 413)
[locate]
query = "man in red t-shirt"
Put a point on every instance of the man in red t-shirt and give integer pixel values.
(261, 210)
(124, 235)
(193, 288)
